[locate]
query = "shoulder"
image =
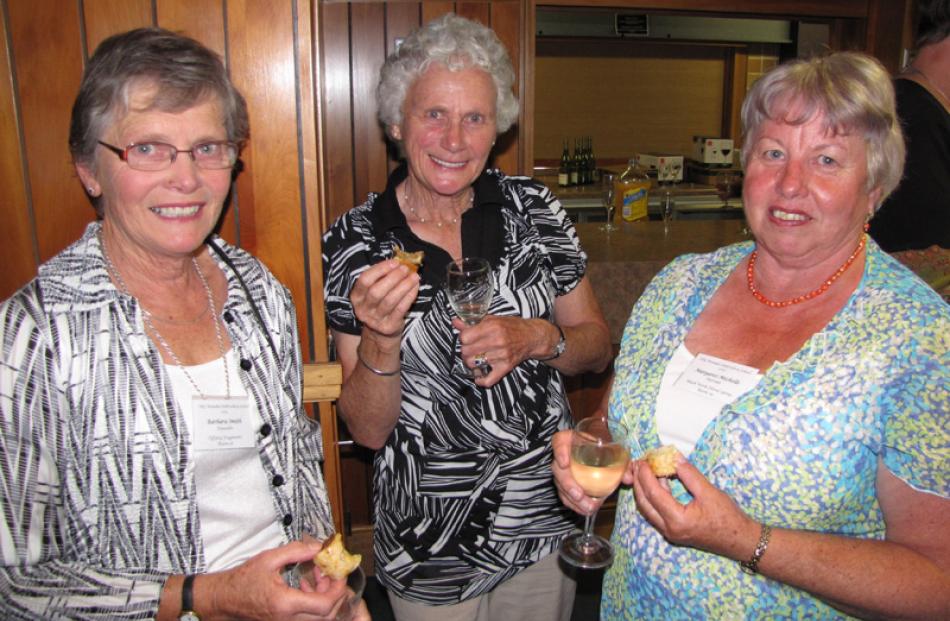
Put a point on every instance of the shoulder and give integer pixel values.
(524, 192)
(890, 292)
(353, 225)
(708, 268)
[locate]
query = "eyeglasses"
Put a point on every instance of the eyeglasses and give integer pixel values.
(214, 155)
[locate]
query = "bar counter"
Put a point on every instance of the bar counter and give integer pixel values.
(621, 263)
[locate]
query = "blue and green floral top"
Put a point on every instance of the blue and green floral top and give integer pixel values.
(800, 450)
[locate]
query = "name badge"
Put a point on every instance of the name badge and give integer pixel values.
(718, 379)
(221, 423)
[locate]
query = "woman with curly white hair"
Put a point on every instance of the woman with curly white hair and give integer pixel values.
(467, 518)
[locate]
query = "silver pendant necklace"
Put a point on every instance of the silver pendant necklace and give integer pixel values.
(147, 318)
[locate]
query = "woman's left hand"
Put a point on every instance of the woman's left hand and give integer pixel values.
(503, 342)
(711, 521)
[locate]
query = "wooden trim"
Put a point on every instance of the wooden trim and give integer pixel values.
(803, 8)
(321, 381)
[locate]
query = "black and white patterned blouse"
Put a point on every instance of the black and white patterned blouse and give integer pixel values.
(97, 486)
(464, 496)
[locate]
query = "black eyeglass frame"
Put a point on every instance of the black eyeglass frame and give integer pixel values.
(123, 154)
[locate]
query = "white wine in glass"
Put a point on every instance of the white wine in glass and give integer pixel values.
(597, 464)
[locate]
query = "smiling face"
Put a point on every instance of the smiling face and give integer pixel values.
(804, 192)
(448, 129)
(165, 213)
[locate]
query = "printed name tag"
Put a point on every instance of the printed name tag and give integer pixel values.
(715, 378)
(221, 423)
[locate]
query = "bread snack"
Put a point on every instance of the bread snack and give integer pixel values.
(662, 460)
(334, 560)
(412, 260)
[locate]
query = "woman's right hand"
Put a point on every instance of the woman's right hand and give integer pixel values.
(256, 589)
(383, 295)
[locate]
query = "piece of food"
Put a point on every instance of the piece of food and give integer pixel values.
(662, 460)
(412, 260)
(334, 560)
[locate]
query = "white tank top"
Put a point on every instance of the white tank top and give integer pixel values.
(237, 513)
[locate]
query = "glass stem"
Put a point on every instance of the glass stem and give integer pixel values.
(589, 525)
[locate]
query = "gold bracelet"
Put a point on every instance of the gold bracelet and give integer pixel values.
(374, 370)
(752, 565)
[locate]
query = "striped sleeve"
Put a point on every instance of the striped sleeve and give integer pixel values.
(35, 580)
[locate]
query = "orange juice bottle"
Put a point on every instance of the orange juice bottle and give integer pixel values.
(632, 188)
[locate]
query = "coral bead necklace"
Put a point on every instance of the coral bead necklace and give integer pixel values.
(750, 276)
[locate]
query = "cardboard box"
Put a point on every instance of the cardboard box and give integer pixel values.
(665, 167)
(713, 150)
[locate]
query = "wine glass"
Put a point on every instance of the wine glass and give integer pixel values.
(355, 584)
(607, 181)
(724, 183)
(667, 210)
(469, 287)
(597, 464)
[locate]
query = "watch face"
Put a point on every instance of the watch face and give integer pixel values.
(188, 616)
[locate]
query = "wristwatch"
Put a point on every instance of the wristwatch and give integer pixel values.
(187, 600)
(559, 348)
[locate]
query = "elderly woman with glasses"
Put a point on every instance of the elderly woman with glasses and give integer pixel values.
(154, 458)
(467, 518)
(804, 377)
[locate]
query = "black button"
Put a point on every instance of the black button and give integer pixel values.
(288, 519)
(228, 316)
(277, 480)
(265, 430)
(246, 364)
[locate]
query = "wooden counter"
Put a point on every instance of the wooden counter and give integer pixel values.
(621, 263)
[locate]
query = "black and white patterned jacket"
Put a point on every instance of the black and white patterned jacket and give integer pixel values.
(97, 486)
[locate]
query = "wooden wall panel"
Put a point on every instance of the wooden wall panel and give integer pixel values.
(367, 26)
(105, 17)
(337, 113)
(507, 24)
(47, 52)
(261, 44)
(18, 254)
(435, 8)
(476, 11)
(200, 19)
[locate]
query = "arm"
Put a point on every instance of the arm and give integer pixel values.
(256, 590)
(906, 576)
(508, 341)
(369, 403)
(38, 578)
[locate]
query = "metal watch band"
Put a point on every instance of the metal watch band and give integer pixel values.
(558, 348)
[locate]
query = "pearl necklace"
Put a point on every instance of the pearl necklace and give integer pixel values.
(147, 319)
(439, 223)
(750, 277)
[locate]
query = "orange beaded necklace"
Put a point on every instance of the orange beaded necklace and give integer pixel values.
(750, 276)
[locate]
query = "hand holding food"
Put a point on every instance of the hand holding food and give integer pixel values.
(412, 260)
(662, 460)
(334, 560)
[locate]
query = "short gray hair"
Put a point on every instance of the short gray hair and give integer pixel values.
(457, 43)
(184, 71)
(854, 93)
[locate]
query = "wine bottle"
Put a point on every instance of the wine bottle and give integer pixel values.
(575, 165)
(564, 170)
